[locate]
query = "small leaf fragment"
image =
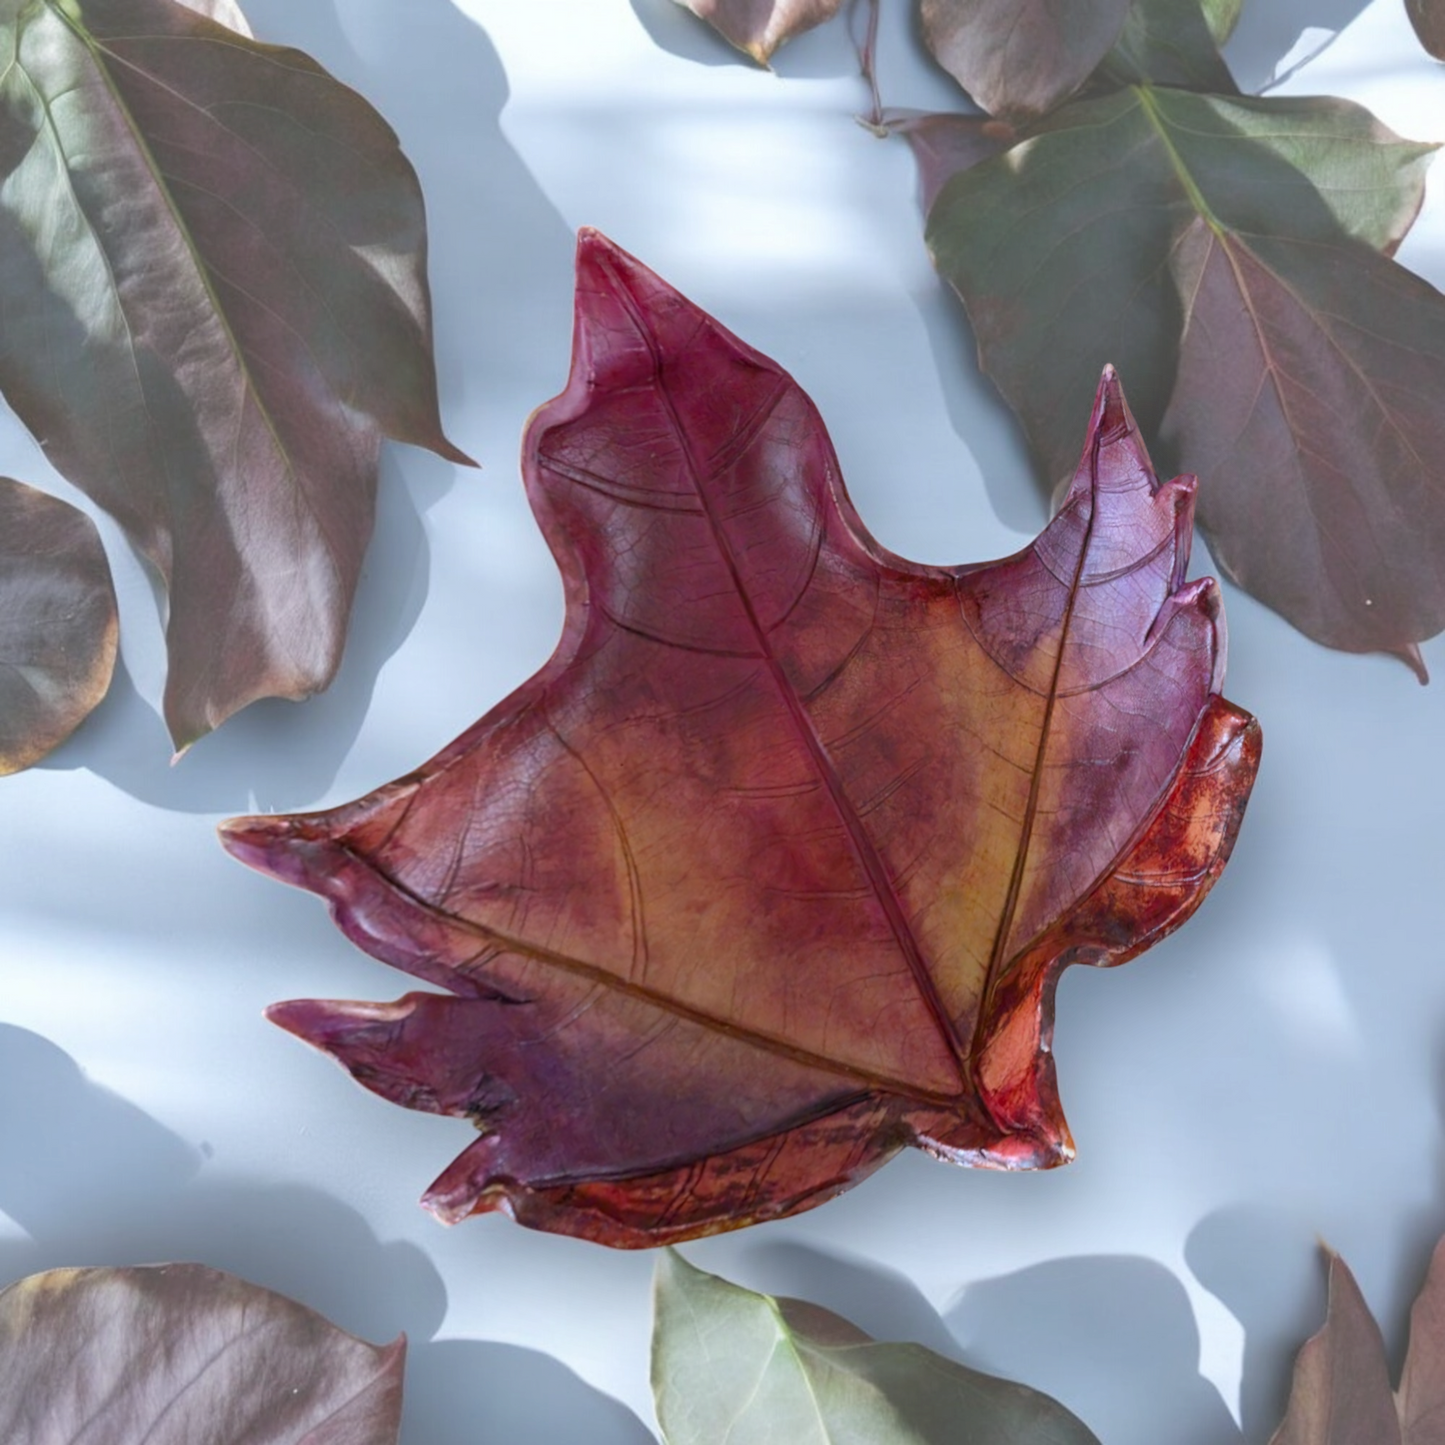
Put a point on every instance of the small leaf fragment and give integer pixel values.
(770, 871)
(1428, 18)
(58, 623)
(1421, 1397)
(1019, 59)
(212, 267)
(730, 1367)
(178, 1354)
(759, 27)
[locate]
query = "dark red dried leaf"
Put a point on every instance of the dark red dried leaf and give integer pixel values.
(771, 870)
(57, 623)
(179, 1354)
(212, 268)
(1020, 58)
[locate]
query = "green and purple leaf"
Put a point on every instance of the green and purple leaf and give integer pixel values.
(770, 871)
(1172, 42)
(730, 1367)
(1019, 59)
(179, 1354)
(1226, 252)
(57, 623)
(212, 267)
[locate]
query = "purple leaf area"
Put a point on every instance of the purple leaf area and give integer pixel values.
(58, 623)
(1311, 394)
(1019, 59)
(946, 145)
(212, 265)
(760, 26)
(1428, 18)
(771, 869)
(179, 1354)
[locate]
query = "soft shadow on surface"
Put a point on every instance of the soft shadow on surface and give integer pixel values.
(1270, 1272)
(462, 1393)
(94, 1180)
(1111, 1337)
(1266, 33)
(886, 1304)
(277, 749)
(414, 63)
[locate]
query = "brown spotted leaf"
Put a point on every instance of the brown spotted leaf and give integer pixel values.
(760, 26)
(57, 623)
(212, 269)
(770, 871)
(183, 1355)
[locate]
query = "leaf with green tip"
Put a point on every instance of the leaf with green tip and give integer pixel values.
(179, 1354)
(730, 1367)
(212, 268)
(1222, 16)
(1225, 251)
(57, 623)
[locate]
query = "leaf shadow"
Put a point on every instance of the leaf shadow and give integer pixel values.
(1266, 33)
(886, 1304)
(1113, 1337)
(1269, 1268)
(486, 279)
(92, 1179)
(1266, 1268)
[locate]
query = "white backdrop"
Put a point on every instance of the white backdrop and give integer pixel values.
(1270, 1077)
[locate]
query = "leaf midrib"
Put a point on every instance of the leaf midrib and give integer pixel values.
(866, 851)
(98, 55)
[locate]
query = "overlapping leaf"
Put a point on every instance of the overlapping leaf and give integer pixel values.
(1021, 58)
(770, 871)
(1341, 1393)
(57, 623)
(760, 26)
(1226, 252)
(1173, 42)
(212, 268)
(179, 1354)
(730, 1367)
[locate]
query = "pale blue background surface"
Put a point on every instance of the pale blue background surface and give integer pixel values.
(1269, 1077)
